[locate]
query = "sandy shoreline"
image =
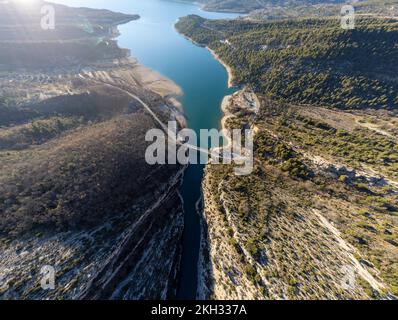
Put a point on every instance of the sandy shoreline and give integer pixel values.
(224, 105)
(217, 57)
(163, 86)
(156, 82)
(224, 108)
(226, 66)
(150, 78)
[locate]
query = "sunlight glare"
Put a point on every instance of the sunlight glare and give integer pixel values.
(24, 2)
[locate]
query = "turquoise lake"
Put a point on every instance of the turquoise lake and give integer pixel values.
(155, 43)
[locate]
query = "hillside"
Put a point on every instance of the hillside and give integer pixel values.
(318, 217)
(81, 36)
(307, 61)
(367, 8)
(75, 190)
(246, 6)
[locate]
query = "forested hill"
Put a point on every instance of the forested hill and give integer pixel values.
(86, 34)
(245, 6)
(308, 61)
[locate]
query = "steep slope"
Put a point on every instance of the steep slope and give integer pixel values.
(76, 191)
(317, 219)
(307, 61)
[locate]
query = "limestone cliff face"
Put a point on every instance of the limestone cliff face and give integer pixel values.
(145, 264)
(134, 254)
(298, 227)
(76, 192)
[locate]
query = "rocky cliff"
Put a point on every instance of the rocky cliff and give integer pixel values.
(76, 193)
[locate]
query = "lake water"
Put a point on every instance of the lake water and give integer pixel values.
(155, 43)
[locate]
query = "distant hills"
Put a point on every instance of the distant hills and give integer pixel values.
(245, 6)
(75, 190)
(86, 35)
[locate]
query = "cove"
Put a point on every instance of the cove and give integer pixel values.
(204, 81)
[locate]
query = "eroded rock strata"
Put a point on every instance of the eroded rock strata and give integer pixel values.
(76, 193)
(306, 224)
